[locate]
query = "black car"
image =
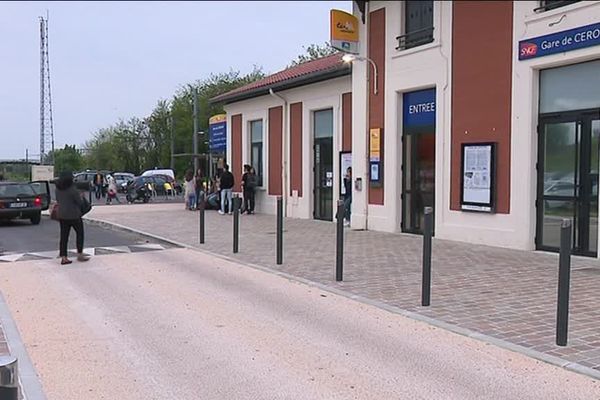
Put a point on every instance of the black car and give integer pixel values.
(24, 200)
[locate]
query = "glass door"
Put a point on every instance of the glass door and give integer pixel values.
(323, 165)
(419, 179)
(568, 180)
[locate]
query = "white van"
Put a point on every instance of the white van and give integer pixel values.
(167, 172)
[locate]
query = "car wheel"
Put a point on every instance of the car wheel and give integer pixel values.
(36, 219)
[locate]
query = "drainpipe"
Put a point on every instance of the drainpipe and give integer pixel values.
(284, 136)
(367, 115)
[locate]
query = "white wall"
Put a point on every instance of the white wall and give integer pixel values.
(317, 96)
(423, 67)
(431, 66)
(528, 24)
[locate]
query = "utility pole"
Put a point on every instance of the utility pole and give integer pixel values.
(172, 127)
(195, 137)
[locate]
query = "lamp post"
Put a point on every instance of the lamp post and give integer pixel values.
(348, 58)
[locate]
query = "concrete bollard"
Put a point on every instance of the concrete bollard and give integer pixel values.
(279, 230)
(201, 207)
(427, 234)
(236, 223)
(564, 282)
(339, 248)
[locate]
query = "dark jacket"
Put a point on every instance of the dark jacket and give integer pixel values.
(69, 203)
(227, 180)
(347, 188)
(245, 185)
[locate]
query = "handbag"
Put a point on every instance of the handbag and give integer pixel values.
(86, 206)
(54, 212)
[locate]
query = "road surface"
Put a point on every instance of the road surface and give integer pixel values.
(19, 236)
(178, 324)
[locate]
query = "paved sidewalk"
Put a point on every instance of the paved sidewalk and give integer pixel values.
(506, 294)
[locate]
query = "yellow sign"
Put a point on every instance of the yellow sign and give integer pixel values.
(215, 119)
(374, 144)
(344, 31)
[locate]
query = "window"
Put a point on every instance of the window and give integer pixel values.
(552, 4)
(568, 88)
(256, 149)
(418, 22)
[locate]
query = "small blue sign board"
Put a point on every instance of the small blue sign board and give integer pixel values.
(419, 108)
(560, 42)
(218, 137)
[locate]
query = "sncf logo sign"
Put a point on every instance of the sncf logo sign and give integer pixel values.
(528, 50)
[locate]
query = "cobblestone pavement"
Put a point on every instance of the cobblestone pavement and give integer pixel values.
(506, 294)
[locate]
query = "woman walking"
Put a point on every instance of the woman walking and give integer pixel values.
(69, 215)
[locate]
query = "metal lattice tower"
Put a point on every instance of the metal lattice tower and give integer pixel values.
(46, 122)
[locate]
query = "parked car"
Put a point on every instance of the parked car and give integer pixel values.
(121, 179)
(164, 171)
(84, 180)
(24, 200)
(160, 180)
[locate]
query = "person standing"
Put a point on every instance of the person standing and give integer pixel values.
(69, 215)
(347, 195)
(190, 191)
(98, 183)
(250, 189)
(246, 202)
(112, 190)
(227, 182)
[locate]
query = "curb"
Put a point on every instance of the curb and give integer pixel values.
(28, 377)
(538, 355)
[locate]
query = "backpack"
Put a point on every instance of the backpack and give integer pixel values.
(252, 181)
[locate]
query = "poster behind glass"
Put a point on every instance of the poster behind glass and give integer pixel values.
(477, 178)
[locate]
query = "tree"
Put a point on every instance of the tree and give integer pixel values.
(67, 159)
(138, 144)
(313, 52)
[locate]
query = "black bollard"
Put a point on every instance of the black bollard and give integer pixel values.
(90, 194)
(201, 208)
(427, 233)
(236, 223)
(339, 250)
(9, 380)
(564, 279)
(279, 230)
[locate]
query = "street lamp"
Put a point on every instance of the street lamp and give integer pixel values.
(348, 58)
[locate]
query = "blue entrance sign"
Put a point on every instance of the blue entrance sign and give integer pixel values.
(560, 42)
(217, 131)
(419, 108)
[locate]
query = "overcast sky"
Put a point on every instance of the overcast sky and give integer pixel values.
(111, 60)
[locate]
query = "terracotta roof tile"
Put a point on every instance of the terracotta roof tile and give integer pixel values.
(308, 69)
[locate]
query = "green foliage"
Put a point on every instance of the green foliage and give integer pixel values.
(313, 52)
(136, 145)
(67, 159)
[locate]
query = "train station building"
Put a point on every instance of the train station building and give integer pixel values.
(487, 111)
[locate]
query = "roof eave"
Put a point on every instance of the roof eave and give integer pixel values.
(285, 85)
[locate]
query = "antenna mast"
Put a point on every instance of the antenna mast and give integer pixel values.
(46, 121)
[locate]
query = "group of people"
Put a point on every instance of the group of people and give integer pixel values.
(111, 193)
(219, 192)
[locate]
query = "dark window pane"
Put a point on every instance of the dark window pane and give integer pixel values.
(418, 20)
(552, 4)
(256, 149)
